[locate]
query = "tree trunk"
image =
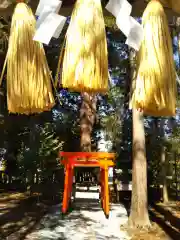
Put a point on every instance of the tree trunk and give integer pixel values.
(163, 163)
(139, 217)
(164, 173)
(139, 204)
(87, 119)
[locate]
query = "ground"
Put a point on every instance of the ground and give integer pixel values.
(24, 217)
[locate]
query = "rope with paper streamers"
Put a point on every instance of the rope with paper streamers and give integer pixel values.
(28, 76)
(60, 63)
(155, 86)
(85, 62)
(49, 24)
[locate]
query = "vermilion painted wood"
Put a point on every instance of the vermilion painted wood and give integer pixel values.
(90, 163)
(88, 155)
(88, 159)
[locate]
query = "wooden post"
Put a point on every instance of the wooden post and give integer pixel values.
(106, 192)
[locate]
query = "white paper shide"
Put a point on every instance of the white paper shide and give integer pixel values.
(54, 5)
(121, 9)
(49, 23)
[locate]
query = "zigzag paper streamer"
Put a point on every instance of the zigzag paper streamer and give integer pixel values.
(121, 9)
(49, 23)
(54, 5)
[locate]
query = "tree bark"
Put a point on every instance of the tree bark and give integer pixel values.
(164, 175)
(139, 217)
(87, 120)
(139, 204)
(163, 163)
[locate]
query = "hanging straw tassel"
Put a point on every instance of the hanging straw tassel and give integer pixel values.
(155, 86)
(28, 76)
(85, 63)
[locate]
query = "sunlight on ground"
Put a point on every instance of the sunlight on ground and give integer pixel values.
(86, 221)
(12, 196)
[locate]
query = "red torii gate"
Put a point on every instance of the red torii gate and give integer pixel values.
(71, 160)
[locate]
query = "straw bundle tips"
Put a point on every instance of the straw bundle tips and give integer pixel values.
(28, 76)
(85, 63)
(154, 89)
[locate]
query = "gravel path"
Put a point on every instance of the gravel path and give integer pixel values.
(85, 222)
